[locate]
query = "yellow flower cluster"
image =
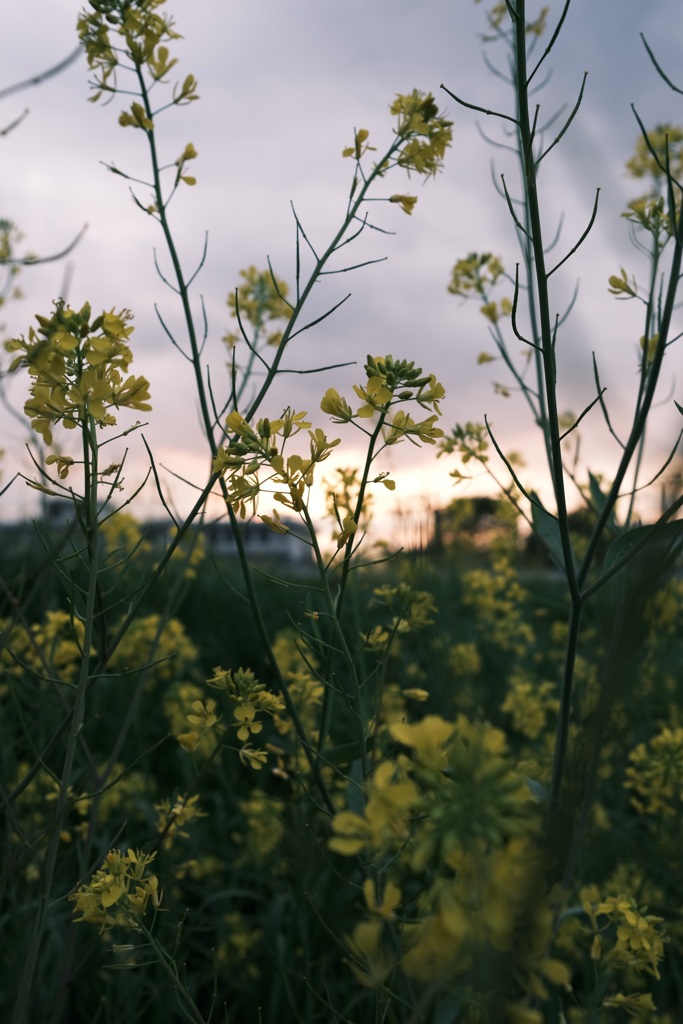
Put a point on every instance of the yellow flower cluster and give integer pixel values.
(122, 534)
(119, 893)
(173, 817)
(78, 367)
(341, 500)
(495, 311)
(178, 704)
(475, 274)
(250, 698)
(202, 718)
(50, 650)
(263, 828)
(497, 598)
(650, 213)
(390, 382)
(624, 934)
(664, 143)
(255, 457)
(452, 828)
(141, 30)
(256, 449)
(422, 133)
(497, 16)
(128, 799)
(412, 610)
(655, 774)
(464, 659)
(470, 441)
(235, 952)
(258, 300)
(162, 649)
(385, 822)
(306, 693)
(531, 703)
(456, 777)
(36, 807)
(426, 132)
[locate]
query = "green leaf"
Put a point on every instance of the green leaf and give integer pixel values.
(344, 753)
(600, 499)
(547, 527)
(648, 553)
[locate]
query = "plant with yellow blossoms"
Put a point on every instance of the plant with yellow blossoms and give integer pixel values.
(78, 364)
(348, 797)
(119, 893)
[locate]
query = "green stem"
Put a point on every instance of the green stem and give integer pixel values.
(340, 637)
(335, 244)
(177, 269)
(549, 389)
(170, 969)
(76, 720)
(643, 409)
(346, 568)
(351, 216)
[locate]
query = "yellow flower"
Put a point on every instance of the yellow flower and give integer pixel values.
(76, 365)
(416, 693)
(639, 936)
(428, 738)
(253, 758)
(189, 153)
(245, 715)
(426, 132)
(360, 145)
(634, 1004)
(389, 902)
(137, 118)
(406, 202)
(173, 818)
(260, 298)
(372, 963)
(336, 406)
(385, 821)
(121, 886)
(189, 741)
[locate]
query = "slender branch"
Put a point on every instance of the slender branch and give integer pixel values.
(42, 76)
(582, 238)
(475, 106)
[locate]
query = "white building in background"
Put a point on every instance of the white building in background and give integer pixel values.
(409, 527)
(260, 542)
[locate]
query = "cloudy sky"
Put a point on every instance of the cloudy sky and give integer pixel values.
(282, 86)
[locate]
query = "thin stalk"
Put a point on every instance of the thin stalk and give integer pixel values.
(175, 260)
(346, 568)
(77, 717)
(360, 501)
(548, 380)
(170, 969)
(640, 419)
(208, 425)
(351, 215)
(349, 664)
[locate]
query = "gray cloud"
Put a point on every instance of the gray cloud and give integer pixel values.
(282, 87)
